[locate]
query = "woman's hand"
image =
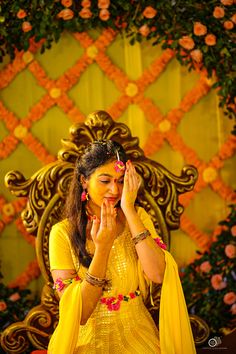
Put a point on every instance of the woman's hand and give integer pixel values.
(130, 189)
(103, 232)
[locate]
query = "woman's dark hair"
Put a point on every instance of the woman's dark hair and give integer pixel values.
(97, 153)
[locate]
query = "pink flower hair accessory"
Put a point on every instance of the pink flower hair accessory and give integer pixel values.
(119, 165)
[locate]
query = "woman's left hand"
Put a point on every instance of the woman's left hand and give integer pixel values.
(131, 186)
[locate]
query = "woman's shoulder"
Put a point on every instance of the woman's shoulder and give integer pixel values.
(61, 228)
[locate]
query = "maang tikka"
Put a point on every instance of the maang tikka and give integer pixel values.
(119, 165)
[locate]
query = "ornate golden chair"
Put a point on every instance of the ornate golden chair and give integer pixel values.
(46, 191)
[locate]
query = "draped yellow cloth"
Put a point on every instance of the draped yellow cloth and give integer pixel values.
(130, 329)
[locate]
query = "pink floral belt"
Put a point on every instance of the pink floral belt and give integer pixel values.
(113, 303)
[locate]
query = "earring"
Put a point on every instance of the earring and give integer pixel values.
(84, 196)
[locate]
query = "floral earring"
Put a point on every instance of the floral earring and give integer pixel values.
(84, 196)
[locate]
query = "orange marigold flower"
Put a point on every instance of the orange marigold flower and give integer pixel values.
(187, 42)
(21, 14)
(104, 14)
(218, 12)
(26, 26)
(230, 298)
(66, 14)
(144, 30)
(85, 13)
(196, 55)
(103, 4)
(210, 39)
(86, 3)
(199, 29)
(228, 25)
(149, 12)
(66, 3)
(227, 2)
(233, 18)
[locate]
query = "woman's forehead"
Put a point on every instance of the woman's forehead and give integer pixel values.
(109, 169)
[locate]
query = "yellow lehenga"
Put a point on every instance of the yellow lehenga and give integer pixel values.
(128, 328)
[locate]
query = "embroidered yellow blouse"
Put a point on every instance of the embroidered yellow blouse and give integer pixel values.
(130, 328)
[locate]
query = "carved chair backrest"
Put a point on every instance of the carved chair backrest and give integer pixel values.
(46, 191)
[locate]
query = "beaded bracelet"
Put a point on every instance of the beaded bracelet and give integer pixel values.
(141, 236)
(91, 279)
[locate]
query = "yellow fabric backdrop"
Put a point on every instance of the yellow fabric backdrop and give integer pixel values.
(203, 129)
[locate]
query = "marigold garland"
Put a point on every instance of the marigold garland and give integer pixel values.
(31, 272)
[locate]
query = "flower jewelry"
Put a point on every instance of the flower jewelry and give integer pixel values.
(113, 303)
(160, 243)
(119, 165)
(60, 283)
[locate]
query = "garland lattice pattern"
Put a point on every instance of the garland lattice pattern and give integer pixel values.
(131, 92)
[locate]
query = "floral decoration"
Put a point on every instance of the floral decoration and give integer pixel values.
(209, 283)
(114, 303)
(15, 303)
(202, 34)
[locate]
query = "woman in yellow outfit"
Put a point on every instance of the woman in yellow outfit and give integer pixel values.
(104, 256)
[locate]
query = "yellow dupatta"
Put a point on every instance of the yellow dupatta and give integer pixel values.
(174, 324)
(65, 336)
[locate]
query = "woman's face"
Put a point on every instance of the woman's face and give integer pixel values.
(105, 184)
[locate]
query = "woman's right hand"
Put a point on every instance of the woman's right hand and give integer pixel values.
(103, 232)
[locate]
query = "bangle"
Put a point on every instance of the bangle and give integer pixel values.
(99, 282)
(141, 236)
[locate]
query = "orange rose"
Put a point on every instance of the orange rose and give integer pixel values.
(233, 230)
(217, 282)
(230, 298)
(14, 297)
(104, 14)
(103, 4)
(233, 18)
(227, 2)
(149, 12)
(199, 29)
(3, 306)
(66, 14)
(85, 13)
(205, 267)
(26, 26)
(230, 251)
(228, 25)
(66, 3)
(144, 30)
(187, 42)
(218, 12)
(196, 55)
(86, 3)
(210, 39)
(21, 14)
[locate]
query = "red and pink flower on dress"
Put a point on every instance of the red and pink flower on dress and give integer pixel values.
(114, 303)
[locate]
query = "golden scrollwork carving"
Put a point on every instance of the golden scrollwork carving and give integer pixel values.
(46, 191)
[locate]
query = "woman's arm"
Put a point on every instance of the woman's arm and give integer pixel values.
(151, 256)
(103, 234)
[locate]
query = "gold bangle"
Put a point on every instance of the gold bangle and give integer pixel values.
(141, 236)
(95, 281)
